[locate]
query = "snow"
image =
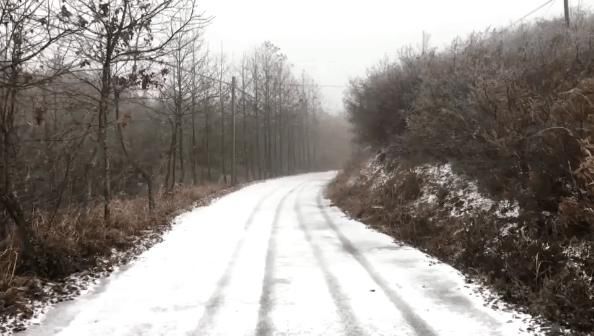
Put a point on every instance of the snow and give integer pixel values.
(375, 171)
(579, 252)
(66, 290)
(464, 196)
(277, 259)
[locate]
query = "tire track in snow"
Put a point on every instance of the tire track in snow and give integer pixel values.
(351, 324)
(264, 326)
(216, 299)
(463, 305)
(420, 326)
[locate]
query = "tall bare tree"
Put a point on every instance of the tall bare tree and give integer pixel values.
(28, 29)
(115, 32)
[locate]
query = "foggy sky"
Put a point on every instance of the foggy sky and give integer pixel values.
(334, 40)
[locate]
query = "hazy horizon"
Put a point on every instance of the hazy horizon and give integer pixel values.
(339, 40)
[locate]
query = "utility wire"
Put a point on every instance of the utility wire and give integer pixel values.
(548, 11)
(531, 12)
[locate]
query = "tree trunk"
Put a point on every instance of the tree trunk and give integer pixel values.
(8, 197)
(290, 149)
(193, 146)
(89, 167)
(181, 149)
(207, 138)
(193, 114)
(244, 137)
(171, 161)
(222, 107)
(279, 125)
(173, 157)
(24, 232)
(143, 173)
(103, 145)
(257, 123)
(566, 10)
(233, 136)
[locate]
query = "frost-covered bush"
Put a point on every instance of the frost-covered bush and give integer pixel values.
(511, 108)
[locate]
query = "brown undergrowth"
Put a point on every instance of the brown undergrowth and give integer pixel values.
(549, 275)
(78, 241)
(510, 111)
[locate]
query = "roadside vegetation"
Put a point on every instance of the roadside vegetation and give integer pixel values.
(115, 116)
(482, 154)
(78, 247)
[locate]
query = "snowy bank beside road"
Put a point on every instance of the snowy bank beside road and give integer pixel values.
(276, 258)
(444, 213)
(84, 252)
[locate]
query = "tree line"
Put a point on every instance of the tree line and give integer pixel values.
(121, 98)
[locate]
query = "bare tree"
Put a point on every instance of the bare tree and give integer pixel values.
(115, 32)
(222, 111)
(28, 30)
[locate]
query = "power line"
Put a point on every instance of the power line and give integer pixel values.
(548, 10)
(531, 12)
(318, 85)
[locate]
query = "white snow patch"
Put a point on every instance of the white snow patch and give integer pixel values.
(578, 252)
(507, 229)
(417, 276)
(463, 196)
(375, 172)
(76, 284)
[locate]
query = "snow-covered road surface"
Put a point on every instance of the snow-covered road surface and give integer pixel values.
(275, 259)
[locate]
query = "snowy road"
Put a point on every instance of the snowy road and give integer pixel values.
(275, 259)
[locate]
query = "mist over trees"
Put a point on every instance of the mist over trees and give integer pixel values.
(103, 101)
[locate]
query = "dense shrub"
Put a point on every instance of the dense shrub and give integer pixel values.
(549, 276)
(516, 104)
(513, 110)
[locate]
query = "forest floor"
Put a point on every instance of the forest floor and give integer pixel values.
(80, 251)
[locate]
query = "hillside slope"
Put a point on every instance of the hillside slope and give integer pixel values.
(483, 156)
(444, 214)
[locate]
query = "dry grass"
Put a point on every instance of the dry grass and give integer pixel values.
(78, 239)
(549, 277)
(78, 236)
(511, 109)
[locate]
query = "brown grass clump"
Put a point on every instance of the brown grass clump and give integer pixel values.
(78, 236)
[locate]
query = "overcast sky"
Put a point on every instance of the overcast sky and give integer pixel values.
(334, 40)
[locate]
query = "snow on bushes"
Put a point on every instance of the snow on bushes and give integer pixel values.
(463, 197)
(495, 240)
